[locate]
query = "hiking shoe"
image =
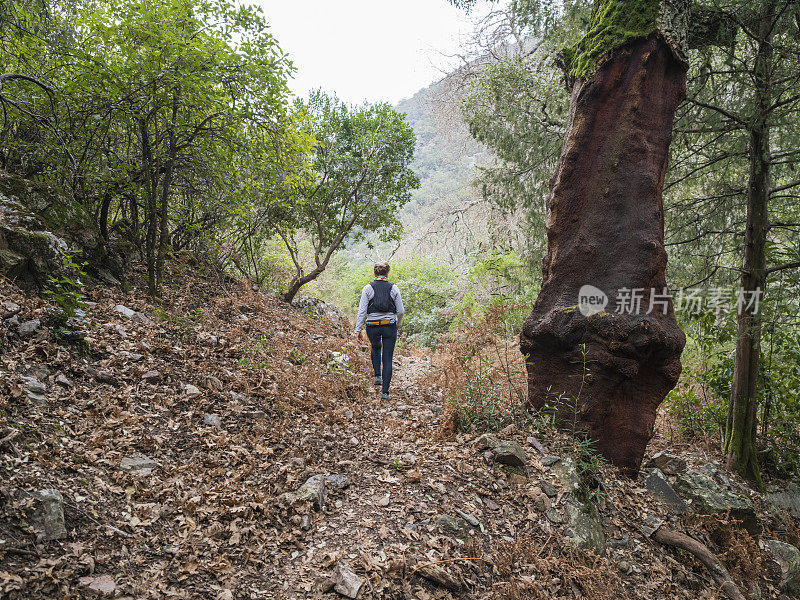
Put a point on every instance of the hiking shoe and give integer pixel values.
(385, 396)
(378, 381)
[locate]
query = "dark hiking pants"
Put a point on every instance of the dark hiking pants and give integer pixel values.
(382, 338)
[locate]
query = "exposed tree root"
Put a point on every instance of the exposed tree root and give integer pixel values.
(704, 555)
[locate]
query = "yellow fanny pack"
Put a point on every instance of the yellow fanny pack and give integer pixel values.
(385, 322)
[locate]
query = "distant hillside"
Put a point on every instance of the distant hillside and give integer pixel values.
(445, 159)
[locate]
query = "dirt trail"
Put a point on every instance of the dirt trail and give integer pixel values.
(382, 449)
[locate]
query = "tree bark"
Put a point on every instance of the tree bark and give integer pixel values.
(604, 375)
(169, 169)
(150, 191)
(741, 422)
(103, 218)
(300, 281)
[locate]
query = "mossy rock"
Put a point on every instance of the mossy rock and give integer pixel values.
(38, 224)
(56, 212)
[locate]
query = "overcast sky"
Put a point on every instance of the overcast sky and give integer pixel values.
(374, 50)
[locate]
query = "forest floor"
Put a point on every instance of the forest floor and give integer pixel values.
(222, 444)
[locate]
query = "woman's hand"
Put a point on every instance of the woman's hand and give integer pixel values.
(360, 337)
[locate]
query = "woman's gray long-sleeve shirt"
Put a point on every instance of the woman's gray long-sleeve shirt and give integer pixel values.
(366, 295)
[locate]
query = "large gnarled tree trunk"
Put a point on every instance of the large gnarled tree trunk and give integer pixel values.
(605, 374)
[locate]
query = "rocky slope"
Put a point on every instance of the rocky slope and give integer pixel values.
(222, 444)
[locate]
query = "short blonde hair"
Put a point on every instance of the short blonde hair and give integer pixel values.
(381, 269)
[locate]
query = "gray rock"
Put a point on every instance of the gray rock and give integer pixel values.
(787, 499)
(43, 206)
(469, 518)
(106, 276)
(549, 460)
(29, 252)
(667, 463)
(212, 419)
(584, 527)
(486, 442)
(510, 453)
(100, 585)
(346, 582)
(567, 473)
(138, 464)
(788, 558)
(708, 498)
(48, 515)
(314, 491)
(102, 375)
(141, 318)
(318, 308)
(10, 309)
(660, 489)
(64, 381)
(619, 542)
(191, 390)
(28, 328)
(451, 524)
(338, 482)
(124, 311)
(35, 390)
(549, 489)
(491, 504)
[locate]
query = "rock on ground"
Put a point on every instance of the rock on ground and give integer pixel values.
(660, 489)
(507, 453)
(584, 527)
(786, 499)
(313, 490)
(708, 498)
(101, 585)
(138, 463)
(124, 311)
(346, 582)
(48, 516)
(28, 328)
(510, 453)
(788, 558)
(453, 525)
(212, 419)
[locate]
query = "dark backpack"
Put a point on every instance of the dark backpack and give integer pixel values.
(381, 301)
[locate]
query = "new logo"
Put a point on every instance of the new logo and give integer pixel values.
(591, 300)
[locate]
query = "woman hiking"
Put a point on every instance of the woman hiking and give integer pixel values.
(381, 309)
